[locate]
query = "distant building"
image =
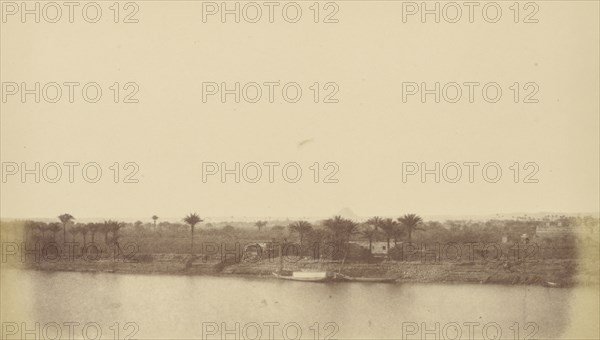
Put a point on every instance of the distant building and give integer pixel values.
(556, 228)
(377, 247)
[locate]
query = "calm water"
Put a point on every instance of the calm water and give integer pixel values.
(182, 307)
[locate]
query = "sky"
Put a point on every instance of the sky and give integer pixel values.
(363, 145)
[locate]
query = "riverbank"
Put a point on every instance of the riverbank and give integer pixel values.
(550, 272)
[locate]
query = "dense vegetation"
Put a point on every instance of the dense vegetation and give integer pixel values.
(333, 238)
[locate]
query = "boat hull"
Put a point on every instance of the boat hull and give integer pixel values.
(366, 279)
(371, 279)
(335, 277)
(303, 279)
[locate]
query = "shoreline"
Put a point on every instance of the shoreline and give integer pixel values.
(554, 273)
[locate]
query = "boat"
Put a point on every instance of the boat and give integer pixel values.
(367, 279)
(305, 276)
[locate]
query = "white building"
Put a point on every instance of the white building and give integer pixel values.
(377, 247)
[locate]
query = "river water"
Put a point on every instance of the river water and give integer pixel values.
(84, 305)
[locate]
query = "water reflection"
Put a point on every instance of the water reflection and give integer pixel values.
(176, 306)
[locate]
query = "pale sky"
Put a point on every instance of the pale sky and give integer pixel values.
(368, 134)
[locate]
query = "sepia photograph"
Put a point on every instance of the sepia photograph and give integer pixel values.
(307, 169)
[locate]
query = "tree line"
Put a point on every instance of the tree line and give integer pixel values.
(109, 229)
(337, 230)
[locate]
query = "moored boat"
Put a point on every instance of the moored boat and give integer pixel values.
(305, 276)
(367, 279)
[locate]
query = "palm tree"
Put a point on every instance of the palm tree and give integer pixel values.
(260, 225)
(369, 231)
(105, 228)
(399, 234)
(375, 222)
(93, 228)
(342, 229)
(301, 227)
(54, 228)
(42, 228)
(113, 227)
(78, 229)
(28, 227)
(411, 223)
(334, 225)
(64, 219)
(389, 228)
(84, 229)
(154, 217)
(192, 220)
